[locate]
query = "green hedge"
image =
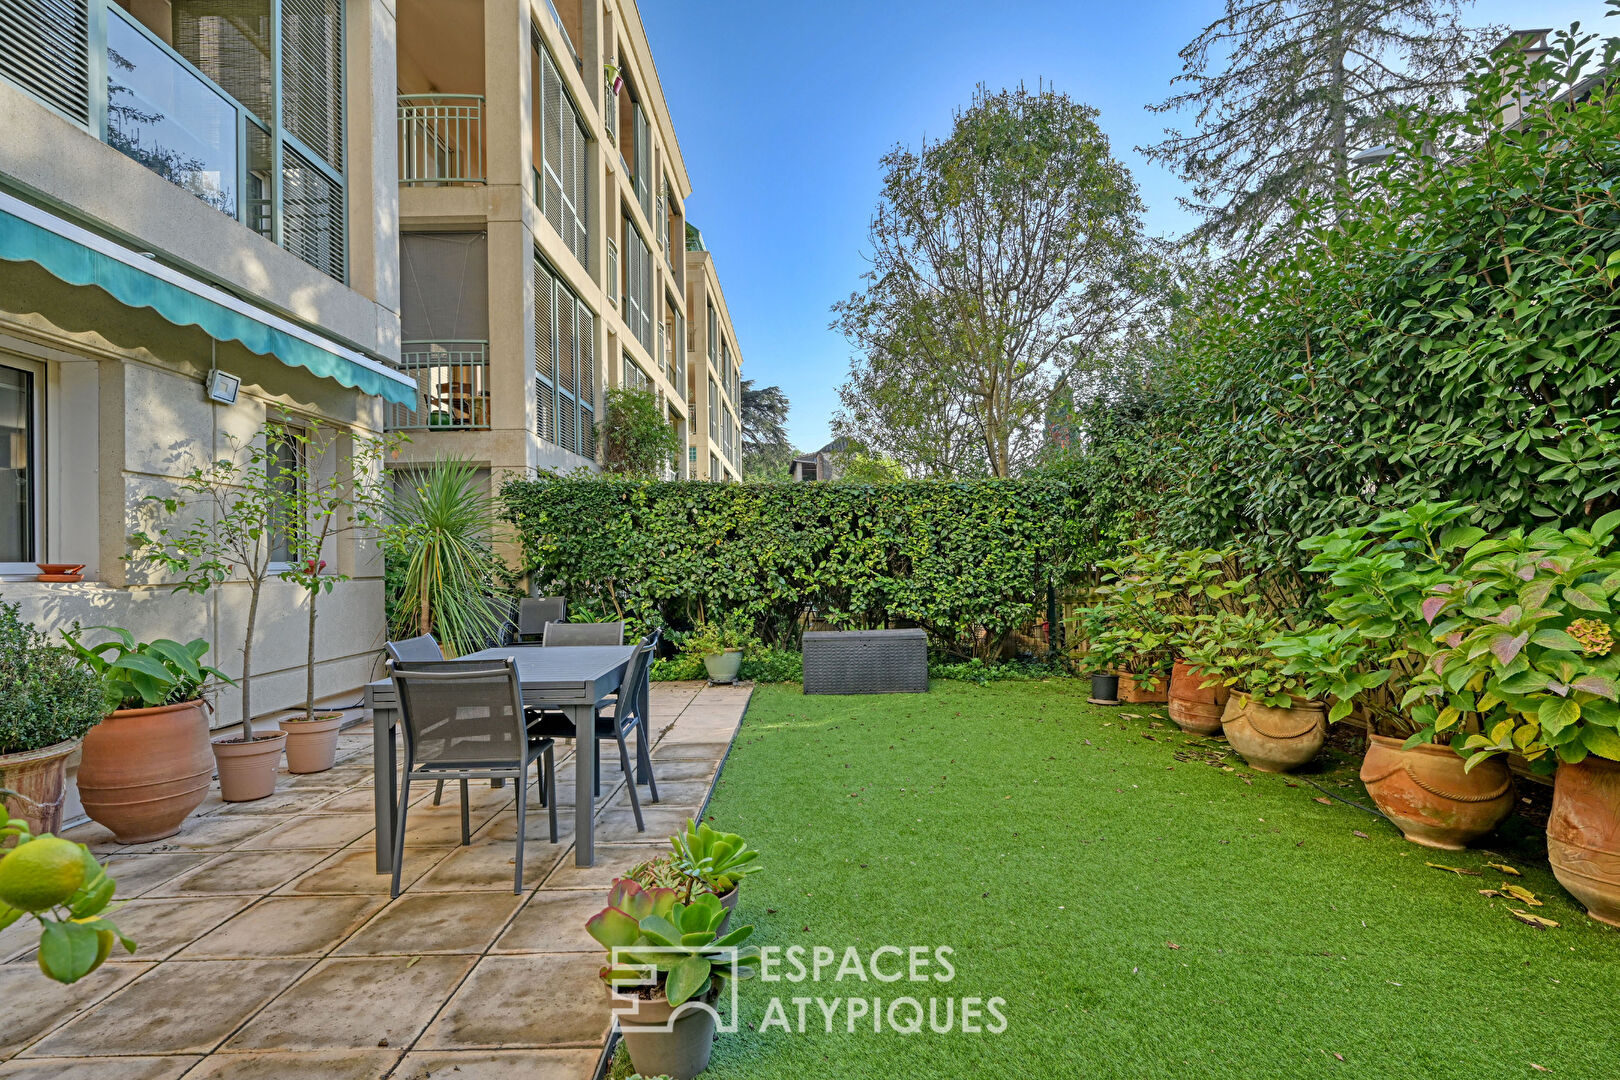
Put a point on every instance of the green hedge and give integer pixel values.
(969, 561)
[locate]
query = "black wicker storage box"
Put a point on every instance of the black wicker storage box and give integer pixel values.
(866, 662)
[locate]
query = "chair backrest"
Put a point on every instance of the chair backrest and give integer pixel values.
(416, 648)
(585, 633)
(503, 612)
(460, 712)
(535, 614)
(633, 690)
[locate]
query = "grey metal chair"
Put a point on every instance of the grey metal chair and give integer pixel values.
(533, 615)
(464, 720)
(627, 713)
(585, 633)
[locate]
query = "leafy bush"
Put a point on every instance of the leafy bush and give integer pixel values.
(145, 674)
(636, 438)
(764, 665)
(977, 671)
(968, 561)
(49, 697)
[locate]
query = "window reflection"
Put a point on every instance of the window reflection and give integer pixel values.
(16, 466)
(168, 119)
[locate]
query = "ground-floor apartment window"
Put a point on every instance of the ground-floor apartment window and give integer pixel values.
(19, 410)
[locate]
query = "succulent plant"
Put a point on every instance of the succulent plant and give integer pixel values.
(681, 942)
(718, 859)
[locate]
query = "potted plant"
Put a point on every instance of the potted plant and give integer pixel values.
(1384, 584)
(1214, 657)
(248, 502)
(1103, 654)
(147, 765)
(1528, 655)
(721, 645)
(1134, 606)
(1269, 718)
(64, 889)
(716, 860)
(48, 701)
(324, 504)
(667, 960)
(1208, 606)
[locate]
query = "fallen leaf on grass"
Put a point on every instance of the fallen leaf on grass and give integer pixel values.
(1494, 892)
(1358, 832)
(1453, 869)
(1532, 920)
(1539, 1068)
(1149, 738)
(1171, 945)
(1506, 869)
(1324, 800)
(1131, 715)
(1518, 892)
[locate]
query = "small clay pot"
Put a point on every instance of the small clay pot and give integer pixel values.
(143, 771)
(1271, 739)
(312, 744)
(668, 1042)
(1153, 690)
(247, 770)
(1429, 796)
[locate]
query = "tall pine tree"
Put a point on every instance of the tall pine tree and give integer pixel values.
(1283, 92)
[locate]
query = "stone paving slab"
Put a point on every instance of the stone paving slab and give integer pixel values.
(269, 947)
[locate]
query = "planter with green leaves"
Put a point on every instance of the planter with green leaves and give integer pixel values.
(62, 887)
(1528, 646)
(147, 766)
(1384, 580)
(721, 645)
(1215, 652)
(666, 963)
(718, 860)
(49, 700)
(1269, 719)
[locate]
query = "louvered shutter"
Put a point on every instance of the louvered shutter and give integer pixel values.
(229, 41)
(312, 215)
(312, 75)
(545, 360)
(45, 50)
(586, 326)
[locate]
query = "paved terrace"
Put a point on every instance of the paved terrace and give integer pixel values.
(269, 947)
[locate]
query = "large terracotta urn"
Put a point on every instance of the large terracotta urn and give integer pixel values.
(1429, 796)
(144, 770)
(1272, 739)
(1583, 835)
(38, 779)
(1196, 700)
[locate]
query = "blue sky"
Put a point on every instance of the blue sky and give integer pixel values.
(783, 109)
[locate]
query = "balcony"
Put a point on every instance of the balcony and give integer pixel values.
(452, 387)
(441, 139)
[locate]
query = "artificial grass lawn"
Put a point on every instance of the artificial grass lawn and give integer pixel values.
(1061, 853)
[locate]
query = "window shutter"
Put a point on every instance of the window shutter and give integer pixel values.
(312, 75)
(545, 360)
(45, 50)
(312, 216)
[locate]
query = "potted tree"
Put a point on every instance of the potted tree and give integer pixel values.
(147, 765)
(324, 503)
(1527, 665)
(48, 702)
(667, 961)
(1385, 580)
(248, 503)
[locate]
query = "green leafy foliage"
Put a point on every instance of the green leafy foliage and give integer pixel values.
(681, 942)
(711, 638)
(966, 560)
(637, 439)
(718, 859)
(49, 696)
(145, 674)
(76, 937)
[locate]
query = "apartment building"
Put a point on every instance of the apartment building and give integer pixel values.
(198, 217)
(715, 380)
(542, 213)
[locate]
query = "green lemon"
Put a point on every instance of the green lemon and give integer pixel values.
(44, 872)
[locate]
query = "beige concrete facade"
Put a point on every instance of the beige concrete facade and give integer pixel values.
(501, 396)
(714, 376)
(117, 392)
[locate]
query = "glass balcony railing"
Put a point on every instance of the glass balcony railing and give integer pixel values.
(441, 139)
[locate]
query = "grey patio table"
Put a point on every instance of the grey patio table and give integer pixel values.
(575, 681)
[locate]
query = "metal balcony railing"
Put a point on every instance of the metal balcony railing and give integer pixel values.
(441, 139)
(452, 387)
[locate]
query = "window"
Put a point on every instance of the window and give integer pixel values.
(564, 365)
(641, 167)
(634, 378)
(285, 471)
(714, 467)
(714, 333)
(613, 273)
(562, 152)
(19, 505)
(714, 412)
(638, 286)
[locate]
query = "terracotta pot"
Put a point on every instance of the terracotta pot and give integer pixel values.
(660, 1046)
(1274, 740)
(247, 770)
(1196, 703)
(39, 777)
(1158, 695)
(144, 770)
(1429, 797)
(1583, 835)
(312, 744)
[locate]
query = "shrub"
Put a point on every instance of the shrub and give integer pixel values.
(49, 697)
(636, 439)
(968, 561)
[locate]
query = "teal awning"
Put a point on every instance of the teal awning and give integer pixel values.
(79, 257)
